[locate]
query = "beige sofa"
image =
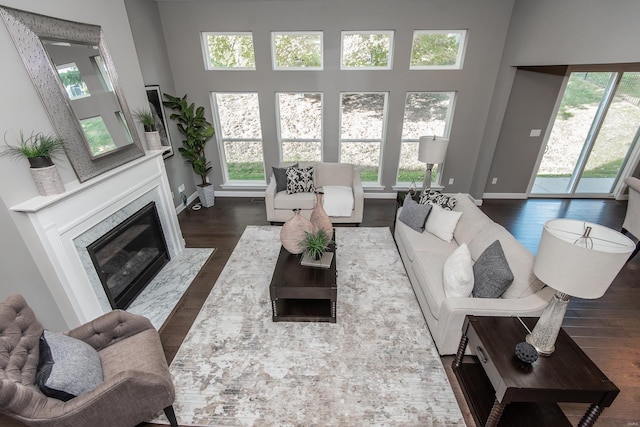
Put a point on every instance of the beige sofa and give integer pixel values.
(280, 205)
(424, 254)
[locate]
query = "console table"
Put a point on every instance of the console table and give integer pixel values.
(503, 391)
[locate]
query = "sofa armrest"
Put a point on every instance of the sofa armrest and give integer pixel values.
(358, 196)
(110, 328)
(269, 196)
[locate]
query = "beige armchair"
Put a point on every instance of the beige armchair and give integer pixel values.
(137, 383)
(280, 205)
(631, 222)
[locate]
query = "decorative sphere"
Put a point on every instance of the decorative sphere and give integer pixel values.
(526, 352)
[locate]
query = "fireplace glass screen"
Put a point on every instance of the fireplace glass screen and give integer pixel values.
(130, 255)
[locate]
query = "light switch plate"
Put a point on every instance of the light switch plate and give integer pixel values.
(535, 132)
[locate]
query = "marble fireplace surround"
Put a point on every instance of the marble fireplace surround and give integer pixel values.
(65, 224)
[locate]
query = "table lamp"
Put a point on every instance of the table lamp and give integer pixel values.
(432, 150)
(576, 258)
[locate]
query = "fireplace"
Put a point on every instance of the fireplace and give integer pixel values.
(128, 256)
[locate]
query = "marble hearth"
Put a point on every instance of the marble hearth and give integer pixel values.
(64, 225)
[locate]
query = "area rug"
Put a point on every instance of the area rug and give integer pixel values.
(376, 366)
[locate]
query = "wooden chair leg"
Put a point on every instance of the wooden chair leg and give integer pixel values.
(171, 416)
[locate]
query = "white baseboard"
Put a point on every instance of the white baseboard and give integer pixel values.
(190, 199)
(504, 196)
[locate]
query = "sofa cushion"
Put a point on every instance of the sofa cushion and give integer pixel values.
(471, 221)
(442, 223)
(280, 175)
(414, 214)
(333, 174)
(415, 242)
(520, 260)
(300, 180)
(428, 269)
(491, 272)
(457, 273)
(282, 200)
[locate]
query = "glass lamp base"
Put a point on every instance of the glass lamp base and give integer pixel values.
(544, 335)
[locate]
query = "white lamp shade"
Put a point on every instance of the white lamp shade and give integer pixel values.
(432, 149)
(567, 265)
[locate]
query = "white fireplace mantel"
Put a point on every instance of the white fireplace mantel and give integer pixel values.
(65, 222)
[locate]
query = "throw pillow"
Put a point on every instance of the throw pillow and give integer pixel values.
(67, 366)
(442, 223)
(414, 214)
(300, 180)
(280, 174)
(491, 273)
(457, 273)
(437, 198)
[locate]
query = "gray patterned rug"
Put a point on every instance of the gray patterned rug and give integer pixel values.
(376, 366)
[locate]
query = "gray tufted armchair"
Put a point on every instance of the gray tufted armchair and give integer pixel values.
(137, 383)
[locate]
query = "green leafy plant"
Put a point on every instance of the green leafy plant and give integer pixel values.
(36, 145)
(197, 131)
(144, 116)
(316, 243)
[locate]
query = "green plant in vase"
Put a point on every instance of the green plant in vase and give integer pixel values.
(145, 117)
(316, 243)
(38, 149)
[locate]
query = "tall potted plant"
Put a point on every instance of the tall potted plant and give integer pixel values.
(39, 149)
(145, 117)
(197, 131)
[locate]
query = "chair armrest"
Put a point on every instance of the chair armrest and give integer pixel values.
(633, 183)
(358, 196)
(17, 398)
(110, 328)
(269, 196)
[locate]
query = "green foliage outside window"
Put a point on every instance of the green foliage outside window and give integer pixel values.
(366, 50)
(435, 49)
(231, 51)
(298, 50)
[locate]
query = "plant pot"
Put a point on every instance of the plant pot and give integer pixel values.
(40, 162)
(293, 232)
(153, 140)
(206, 195)
(319, 217)
(47, 180)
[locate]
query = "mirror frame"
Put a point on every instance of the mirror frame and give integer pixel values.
(26, 29)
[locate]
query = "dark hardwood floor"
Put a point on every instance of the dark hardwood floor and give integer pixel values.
(608, 329)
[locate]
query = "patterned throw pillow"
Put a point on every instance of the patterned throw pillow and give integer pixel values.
(300, 180)
(434, 197)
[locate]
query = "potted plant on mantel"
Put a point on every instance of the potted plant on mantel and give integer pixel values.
(39, 149)
(197, 131)
(145, 117)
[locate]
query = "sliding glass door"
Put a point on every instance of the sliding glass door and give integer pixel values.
(593, 134)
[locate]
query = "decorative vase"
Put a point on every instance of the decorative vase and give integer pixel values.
(319, 217)
(153, 140)
(47, 180)
(294, 231)
(206, 195)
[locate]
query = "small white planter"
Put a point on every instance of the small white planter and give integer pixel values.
(206, 195)
(47, 180)
(153, 140)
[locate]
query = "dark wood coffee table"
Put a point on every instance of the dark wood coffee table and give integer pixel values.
(303, 294)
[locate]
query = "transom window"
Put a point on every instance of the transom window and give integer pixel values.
(296, 50)
(299, 118)
(437, 49)
(239, 134)
(425, 114)
(228, 51)
(363, 121)
(366, 50)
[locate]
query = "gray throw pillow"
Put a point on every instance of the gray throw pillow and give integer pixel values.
(67, 367)
(491, 273)
(414, 214)
(280, 174)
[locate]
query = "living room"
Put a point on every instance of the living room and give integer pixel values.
(158, 43)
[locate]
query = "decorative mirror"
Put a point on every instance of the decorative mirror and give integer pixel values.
(73, 72)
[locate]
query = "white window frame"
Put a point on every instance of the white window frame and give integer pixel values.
(459, 58)
(276, 67)
(205, 50)
(383, 137)
(279, 127)
(220, 140)
(389, 65)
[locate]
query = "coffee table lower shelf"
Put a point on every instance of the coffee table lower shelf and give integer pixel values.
(480, 396)
(304, 310)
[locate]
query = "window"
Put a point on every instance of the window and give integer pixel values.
(363, 120)
(72, 81)
(228, 51)
(296, 50)
(239, 134)
(437, 49)
(299, 118)
(366, 50)
(425, 114)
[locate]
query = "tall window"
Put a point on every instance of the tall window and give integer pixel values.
(437, 49)
(425, 114)
(237, 121)
(228, 51)
(299, 118)
(367, 50)
(363, 120)
(296, 50)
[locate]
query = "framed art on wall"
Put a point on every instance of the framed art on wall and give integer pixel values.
(154, 95)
